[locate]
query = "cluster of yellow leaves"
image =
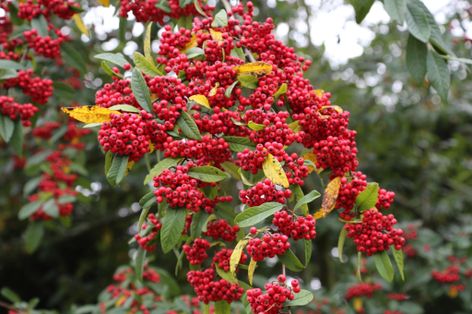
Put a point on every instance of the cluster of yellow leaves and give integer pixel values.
(89, 114)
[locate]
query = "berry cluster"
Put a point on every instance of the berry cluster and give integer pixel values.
(448, 275)
(277, 293)
(148, 233)
(269, 245)
(363, 289)
(264, 192)
(299, 228)
(197, 252)
(221, 229)
(44, 46)
(210, 290)
(30, 9)
(148, 10)
(38, 89)
(275, 127)
(375, 233)
(13, 110)
(126, 134)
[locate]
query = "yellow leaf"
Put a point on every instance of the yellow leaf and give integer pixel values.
(295, 126)
(236, 255)
(105, 3)
(257, 68)
(201, 100)
(121, 301)
(329, 198)
(311, 157)
(337, 108)
(357, 304)
(250, 270)
(453, 292)
(89, 114)
(130, 165)
(191, 44)
(80, 24)
(255, 126)
(215, 35)
(214, 89)
(274, 172)
(318, 92)
(151, 147)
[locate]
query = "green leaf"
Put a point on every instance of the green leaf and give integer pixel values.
(40, 25)
(10, 295)
(139, 258)
(396, 9)
(29, 209)
(417, 21)
(164, 6)
(31, 185)
(199, 222)
(222, 307)
(142, 216)
(195, 52)
(304, 297)
(248, 80)
(207, 174)
(66, 199)
(438, 74)
(308, 198)
(291, 261)
(368, 198)
(253, 215)
(220, 19)
(399, 260)
(282, 90)
(229, 89)
(115, 58)
(255, 126)
(308, 250)
(50, 208)
(8, 64)
(173, 225)
(141, 90)
(162, 165)
(384, 265)
(188, 126)
(8, 74)
(118, 168)
(228, 276)
(108, 161)
(73, 57)
(341, 240)
(416, 54)
(361, 7)
(239, 143)
(17, 138)
(198, 7)
(125, 108)
(238, 52)
(232, 169)
(184, 3)
(7, 126)
(33, 235)
(145, 65)
(108, 70)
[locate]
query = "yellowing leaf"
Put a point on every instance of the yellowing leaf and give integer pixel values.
(311, 157)
(295, 126)
(201, 100)
(191, 44)
(250, 270)
(453, 292)
(236, 255)
(257, 68)
(105, 3)
(329, 198)
(80, 24)
(214, 89)
(130, 165)
(274, 172)
(89, 114)
(255, 126)
(318, 92)
(337, 108)
(357, 304)
(215, 35)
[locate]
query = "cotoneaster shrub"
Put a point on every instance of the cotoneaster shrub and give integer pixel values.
(230, 130)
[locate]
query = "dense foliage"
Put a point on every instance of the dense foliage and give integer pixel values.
(248, 169)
